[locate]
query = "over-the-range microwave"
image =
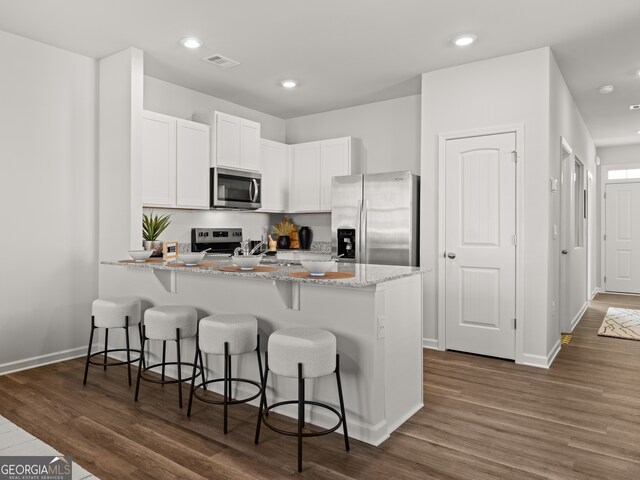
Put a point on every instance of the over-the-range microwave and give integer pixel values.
(232, 188)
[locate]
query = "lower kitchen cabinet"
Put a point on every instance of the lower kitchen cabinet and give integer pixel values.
(175, 162)
(274, 166)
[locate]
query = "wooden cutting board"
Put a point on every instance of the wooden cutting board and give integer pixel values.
(150, 260)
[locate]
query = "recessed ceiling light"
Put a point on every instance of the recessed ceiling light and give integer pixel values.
(638, 132)
(288, 83)
(634, 107)
(604, 89)
(191, 42)
(464, 40)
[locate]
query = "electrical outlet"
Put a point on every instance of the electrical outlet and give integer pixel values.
(380, 327)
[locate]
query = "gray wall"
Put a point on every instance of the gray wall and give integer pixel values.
(389, 130)
(49, 185)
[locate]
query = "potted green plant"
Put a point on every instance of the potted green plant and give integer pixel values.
(152, 228)
(284, 230)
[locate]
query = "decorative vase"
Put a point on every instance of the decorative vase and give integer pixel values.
(154, 245)
(304, 235)
(284, 242)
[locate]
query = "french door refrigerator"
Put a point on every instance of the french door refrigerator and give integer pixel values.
(374, 218)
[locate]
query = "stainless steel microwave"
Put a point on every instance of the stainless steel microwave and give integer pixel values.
(235, 189)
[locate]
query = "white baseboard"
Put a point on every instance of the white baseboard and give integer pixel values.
(431, 343)
(42, 360)
(596, 291)
(578, 316)
(541, 361)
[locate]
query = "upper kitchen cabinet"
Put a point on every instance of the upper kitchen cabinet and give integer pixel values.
(274, 166)
(314, 164)
(175, 162)
(235, 141)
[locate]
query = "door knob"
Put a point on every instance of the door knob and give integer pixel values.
(564, 252)
(451, 255)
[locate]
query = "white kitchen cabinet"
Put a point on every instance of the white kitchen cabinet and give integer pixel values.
(274, 167)
(235, 141)
(175, 162)
(192, 165)
(305, 177)
(314, 164)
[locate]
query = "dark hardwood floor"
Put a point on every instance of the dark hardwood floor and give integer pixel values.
(483, 418)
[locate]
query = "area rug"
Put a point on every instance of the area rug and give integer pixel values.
(621, 323)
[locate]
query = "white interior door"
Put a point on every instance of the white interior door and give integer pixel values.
(622, 241)
(480, 228)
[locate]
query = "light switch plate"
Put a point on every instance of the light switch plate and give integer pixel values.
(553, 184)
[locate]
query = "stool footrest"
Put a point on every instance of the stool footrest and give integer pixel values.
(167, 382)
(229, 401)
(304, 434)
(111, 364)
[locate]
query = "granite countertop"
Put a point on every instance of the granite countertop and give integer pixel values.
(364, 275)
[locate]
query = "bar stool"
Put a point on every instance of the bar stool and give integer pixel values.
(226, 334)
(170, 322)
(302, 353)
(114, 312)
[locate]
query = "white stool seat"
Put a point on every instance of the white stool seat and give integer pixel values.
(238, 330)
(111, 312)
(160, 323)
(313, 347)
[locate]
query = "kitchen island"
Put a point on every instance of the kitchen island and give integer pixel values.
(376, 315)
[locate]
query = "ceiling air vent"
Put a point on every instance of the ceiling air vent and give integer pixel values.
(221, 61)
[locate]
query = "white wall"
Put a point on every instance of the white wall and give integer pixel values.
(49, 197)
(565, 121)
(508, 90)
(171, 99)
(389, 130)
(619, 155)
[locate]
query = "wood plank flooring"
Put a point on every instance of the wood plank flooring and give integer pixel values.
(483, 418)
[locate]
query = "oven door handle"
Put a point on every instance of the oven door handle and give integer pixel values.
(251, 190)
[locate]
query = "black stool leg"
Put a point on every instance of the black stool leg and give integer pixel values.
(260, 364)
(141, 349)
(106, 347)
(300, 414)
(164, 356)
(86, 367)
(204, 380)
(263, 396)
(344, 418)
(179, 368)
(226, 384)
(193, 375)
(126, 336)
(140, 365)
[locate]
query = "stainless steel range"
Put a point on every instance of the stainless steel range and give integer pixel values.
(219, 240)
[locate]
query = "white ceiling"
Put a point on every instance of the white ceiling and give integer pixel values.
(351, 52)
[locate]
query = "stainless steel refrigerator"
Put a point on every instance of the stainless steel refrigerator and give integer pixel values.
(374, 218)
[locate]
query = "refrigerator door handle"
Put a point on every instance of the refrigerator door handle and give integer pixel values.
(363, 232)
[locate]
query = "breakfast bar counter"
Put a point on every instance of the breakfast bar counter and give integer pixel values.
(375, 313)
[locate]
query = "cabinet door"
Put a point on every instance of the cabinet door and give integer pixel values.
(335, 159)
(274, 166)
(227, 140)
(192, 165)
(249, 145)
(305, 178)
(158, 160)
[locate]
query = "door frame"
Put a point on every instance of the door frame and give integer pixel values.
(566, 235)
(518, 129)
(604, 180)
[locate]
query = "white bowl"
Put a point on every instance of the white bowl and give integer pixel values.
(317, 268)
(140, 255)
(191, 258)
(246, 262)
